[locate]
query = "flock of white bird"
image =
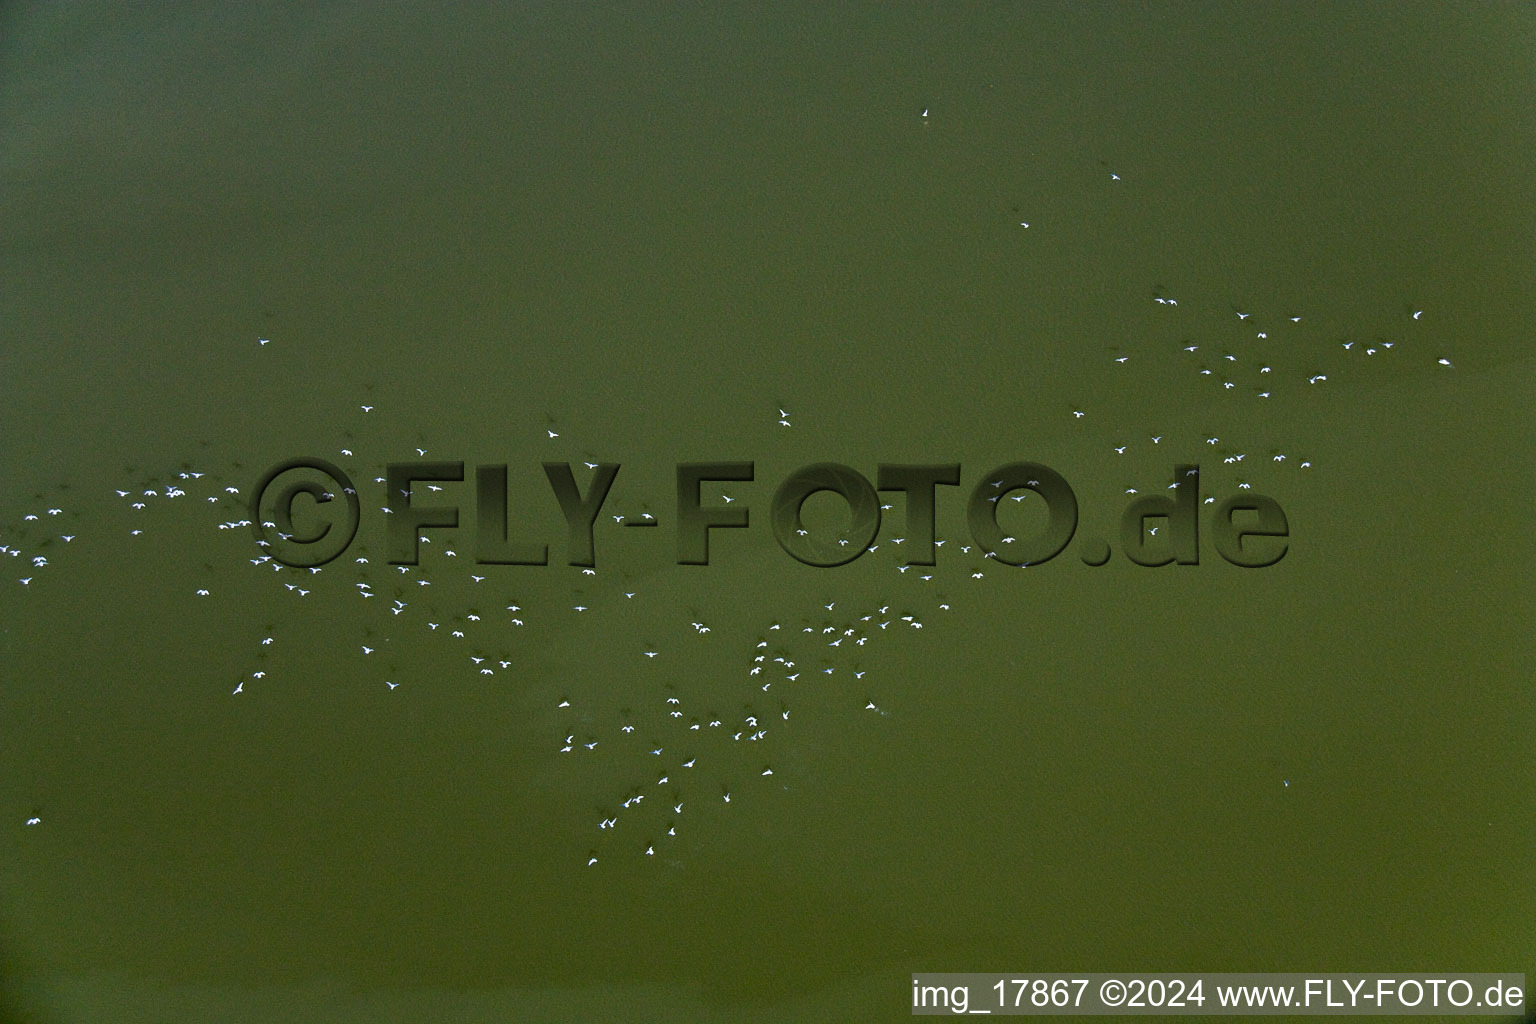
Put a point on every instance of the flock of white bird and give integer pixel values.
(677, 752)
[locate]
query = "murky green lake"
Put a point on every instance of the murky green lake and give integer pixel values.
(1291, 245)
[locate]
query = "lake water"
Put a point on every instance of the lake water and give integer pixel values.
(1291, 245)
